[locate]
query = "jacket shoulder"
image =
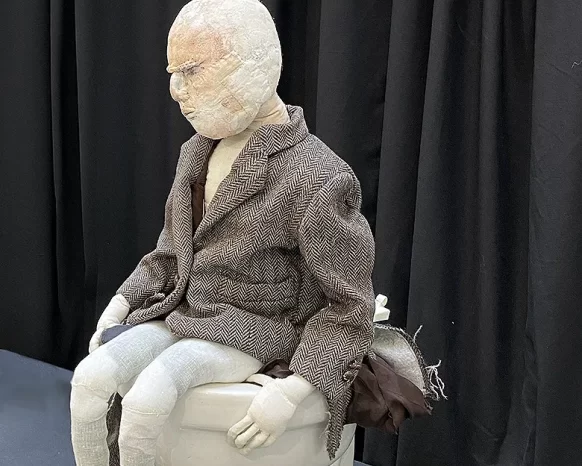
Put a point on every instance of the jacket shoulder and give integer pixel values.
(187, 150)
(318, 162)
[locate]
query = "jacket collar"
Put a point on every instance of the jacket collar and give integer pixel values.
(273, 139)
(268, 139)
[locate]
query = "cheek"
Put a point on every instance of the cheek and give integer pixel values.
(217, 96)
(229, 102)
(202, 91)
(230, 96)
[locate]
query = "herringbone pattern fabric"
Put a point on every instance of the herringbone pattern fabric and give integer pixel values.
(280, 266)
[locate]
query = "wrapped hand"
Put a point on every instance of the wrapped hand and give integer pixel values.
(114, 313)
(269, 413)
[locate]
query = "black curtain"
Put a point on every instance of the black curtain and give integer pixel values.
(462, 119)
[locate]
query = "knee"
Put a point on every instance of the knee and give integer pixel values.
(95, 373)
(153, 393)
(145, 409)
(91, 387)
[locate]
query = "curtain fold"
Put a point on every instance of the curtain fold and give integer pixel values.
(27, 251)
(67, 321)
(462, 120)
(555, 252)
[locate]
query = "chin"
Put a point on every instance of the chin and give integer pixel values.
(213, 130)
(204, 129)
(212, 134)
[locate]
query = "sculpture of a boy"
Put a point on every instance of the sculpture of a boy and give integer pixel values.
(264, 255)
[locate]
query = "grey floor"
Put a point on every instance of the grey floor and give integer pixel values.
(34, 413)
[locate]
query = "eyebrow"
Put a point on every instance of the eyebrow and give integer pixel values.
(186, 66)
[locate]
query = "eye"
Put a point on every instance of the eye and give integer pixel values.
(192, 70)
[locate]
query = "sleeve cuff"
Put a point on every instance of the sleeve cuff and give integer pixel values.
(295, 388)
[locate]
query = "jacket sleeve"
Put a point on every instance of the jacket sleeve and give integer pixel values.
(336, 242)
(156, 271)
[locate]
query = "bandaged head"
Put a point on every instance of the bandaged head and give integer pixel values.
(224, 57)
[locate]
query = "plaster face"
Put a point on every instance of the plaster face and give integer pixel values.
(224, 57)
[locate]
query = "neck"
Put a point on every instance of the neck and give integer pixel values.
(272, 112)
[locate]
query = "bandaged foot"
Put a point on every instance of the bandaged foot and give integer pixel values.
(269, 413)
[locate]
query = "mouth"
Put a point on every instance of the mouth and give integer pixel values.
(187, 112)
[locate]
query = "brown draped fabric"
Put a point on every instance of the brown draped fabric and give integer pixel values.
(198, 196)
(381, 398)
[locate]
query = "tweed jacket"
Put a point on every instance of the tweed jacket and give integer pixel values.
(279, 267)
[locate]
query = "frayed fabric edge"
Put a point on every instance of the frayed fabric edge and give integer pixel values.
(436, 386)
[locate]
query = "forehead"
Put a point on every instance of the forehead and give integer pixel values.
(193, 40)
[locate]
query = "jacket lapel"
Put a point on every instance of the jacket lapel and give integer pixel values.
(249, 171)
(192, 160)
(246, 178)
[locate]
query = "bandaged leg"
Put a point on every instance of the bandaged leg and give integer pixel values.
(188, 363)
(98, 377)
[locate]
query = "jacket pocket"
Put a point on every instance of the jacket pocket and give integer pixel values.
(237, 291)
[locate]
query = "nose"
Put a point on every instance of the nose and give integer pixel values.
(178, 87)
